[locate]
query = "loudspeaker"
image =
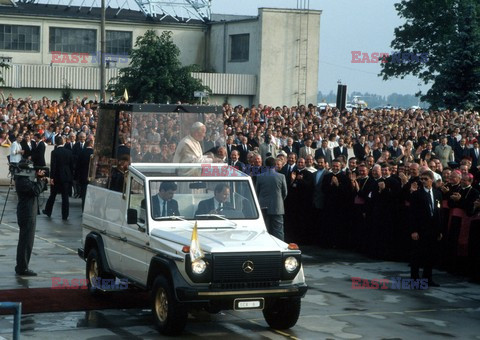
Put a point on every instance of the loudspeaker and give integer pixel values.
(341, 97)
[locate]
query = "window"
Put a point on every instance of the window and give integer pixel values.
(119, 42)
(239, 47)
(199, 200)
(71, 40)
(137, 200)
(20, 38)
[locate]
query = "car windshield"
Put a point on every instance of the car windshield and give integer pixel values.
(196, 200)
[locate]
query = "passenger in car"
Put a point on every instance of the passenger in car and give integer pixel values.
(163, 203)
(217, 203)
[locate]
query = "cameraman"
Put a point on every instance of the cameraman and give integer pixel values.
(28, 189)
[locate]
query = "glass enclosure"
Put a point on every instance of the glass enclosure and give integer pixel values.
(148, 133)
(201, 199)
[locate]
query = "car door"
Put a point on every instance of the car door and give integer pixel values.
(134, 236)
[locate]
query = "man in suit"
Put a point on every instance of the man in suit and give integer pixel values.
(290, 147)
(444, 152)
(425, 227)
(61, 177)
(377, 153)
(271, 188)
(81, 171)
(38, 153)
(230, 146)
(307, 149)
(359, 149)
(235, 162)
(324, 152)
(461, 150)
(341, 149)
(337, 190)
(163, 203)
(395, 150)
(268, 149)
(298, 215)
(76, 150)
(243, 150)
(217, 203)
(475, 154)
(27, 146)
(289, 167)
(71, 141)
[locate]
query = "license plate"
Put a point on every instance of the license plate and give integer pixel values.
(247, 304)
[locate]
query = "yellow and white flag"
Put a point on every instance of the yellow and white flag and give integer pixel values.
(195, 250)
(125, 96)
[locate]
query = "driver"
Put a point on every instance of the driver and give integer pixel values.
(163, 203)
(218, 203)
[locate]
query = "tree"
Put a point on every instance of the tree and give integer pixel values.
(3, 66)
(448, 32)
(155, 73)
(66, 94)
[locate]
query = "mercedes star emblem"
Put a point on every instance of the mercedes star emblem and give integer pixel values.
(248, 267)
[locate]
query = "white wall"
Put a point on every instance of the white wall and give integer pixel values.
(282, 59)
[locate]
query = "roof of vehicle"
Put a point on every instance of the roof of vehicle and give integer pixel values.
(186, 170)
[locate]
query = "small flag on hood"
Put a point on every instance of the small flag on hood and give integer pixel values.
(195, 250)
(125, 96)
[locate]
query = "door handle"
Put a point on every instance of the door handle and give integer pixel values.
(123, 239)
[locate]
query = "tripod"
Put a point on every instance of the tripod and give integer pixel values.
(8, 193)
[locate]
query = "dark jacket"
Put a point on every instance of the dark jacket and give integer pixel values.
(206, 206)
(61, 165)
(428, 227)
(38, 154)
(172, 207)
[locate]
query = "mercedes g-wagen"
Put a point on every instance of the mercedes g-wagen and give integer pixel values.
(145, 230)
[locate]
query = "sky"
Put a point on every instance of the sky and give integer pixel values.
(345, 26)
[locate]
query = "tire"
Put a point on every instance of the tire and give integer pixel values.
(169, 315)
(95, 271)
(282, 313)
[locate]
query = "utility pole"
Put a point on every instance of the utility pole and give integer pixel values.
(102, 54)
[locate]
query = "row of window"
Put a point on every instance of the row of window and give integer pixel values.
(68, 40)
(79, 40)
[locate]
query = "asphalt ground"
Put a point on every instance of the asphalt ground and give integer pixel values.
(332, 309)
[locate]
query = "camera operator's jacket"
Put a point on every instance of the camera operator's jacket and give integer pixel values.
(27, 191)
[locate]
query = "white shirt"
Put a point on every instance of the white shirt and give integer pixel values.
(430, 191)
(15, 155)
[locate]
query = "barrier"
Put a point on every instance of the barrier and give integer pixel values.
(17, 306)
(4, 152)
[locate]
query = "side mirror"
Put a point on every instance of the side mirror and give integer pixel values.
(132, 216)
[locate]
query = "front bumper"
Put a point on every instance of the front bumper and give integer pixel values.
(198, 295)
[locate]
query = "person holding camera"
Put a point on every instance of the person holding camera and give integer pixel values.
(28, 189)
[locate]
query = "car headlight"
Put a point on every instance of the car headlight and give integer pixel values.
(291, 264)
(199, 266)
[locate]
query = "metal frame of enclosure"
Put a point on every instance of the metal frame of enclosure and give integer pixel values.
(145, 127)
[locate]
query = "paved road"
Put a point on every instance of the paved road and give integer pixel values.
(331, 309)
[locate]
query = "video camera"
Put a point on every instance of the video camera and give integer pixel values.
(27, 169)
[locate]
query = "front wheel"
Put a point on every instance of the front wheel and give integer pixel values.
(170, 316)
(282, 313)
(95, 272)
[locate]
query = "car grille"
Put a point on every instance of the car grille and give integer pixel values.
(229, 268)
(245, 285)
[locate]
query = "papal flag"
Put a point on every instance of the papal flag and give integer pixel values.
(195, 250)
(125, 95)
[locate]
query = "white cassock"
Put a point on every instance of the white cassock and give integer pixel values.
(189, 150)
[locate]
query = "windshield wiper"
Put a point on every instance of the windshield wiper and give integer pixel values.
(222, 217)
(173, 217)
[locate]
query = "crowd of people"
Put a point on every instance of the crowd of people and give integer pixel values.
(350, 175)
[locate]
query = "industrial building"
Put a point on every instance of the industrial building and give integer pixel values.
(271, 58)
